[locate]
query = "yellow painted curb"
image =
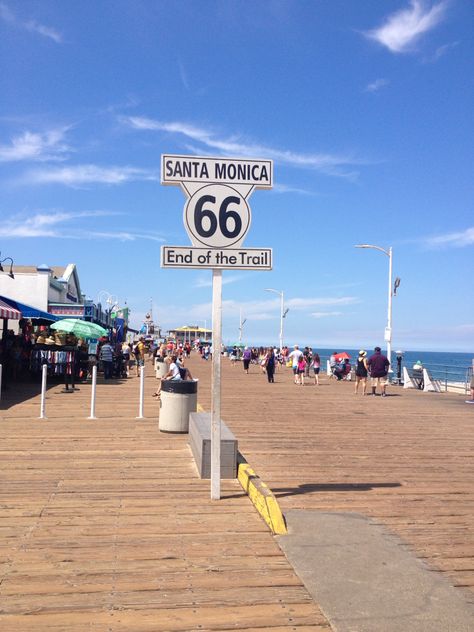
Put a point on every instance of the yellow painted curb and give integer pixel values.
(263, 499)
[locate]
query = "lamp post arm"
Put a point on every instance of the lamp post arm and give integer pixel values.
(385, 252)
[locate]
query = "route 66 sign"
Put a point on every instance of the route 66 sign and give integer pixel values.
(217, 216)
(216, 213)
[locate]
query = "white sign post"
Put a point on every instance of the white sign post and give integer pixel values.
(217, 218)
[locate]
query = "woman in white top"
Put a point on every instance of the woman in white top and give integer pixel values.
(173, 374)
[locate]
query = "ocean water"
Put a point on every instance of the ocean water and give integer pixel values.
(443, 365)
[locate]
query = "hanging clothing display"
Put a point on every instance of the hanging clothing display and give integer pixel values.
(59, 362)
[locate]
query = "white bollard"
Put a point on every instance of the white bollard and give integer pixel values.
(94, 385)
(44, 375)
(142, 393)
(1, 381)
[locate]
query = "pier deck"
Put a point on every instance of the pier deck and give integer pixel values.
(405, 460)
(106, 526)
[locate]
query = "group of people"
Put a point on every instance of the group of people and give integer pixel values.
(306, 365)
(376, 367)
(302, 363)
(117, 359)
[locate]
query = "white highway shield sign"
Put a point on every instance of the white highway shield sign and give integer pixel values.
(217, 216)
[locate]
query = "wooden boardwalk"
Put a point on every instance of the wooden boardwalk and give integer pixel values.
(406, 460)
(104, 525)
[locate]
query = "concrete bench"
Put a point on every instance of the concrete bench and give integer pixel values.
(200, 443)
(422, 380)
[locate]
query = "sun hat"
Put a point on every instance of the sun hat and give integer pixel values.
(362, 353)
(50, 340)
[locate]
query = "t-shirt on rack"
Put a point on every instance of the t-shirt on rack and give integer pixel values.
(60, 360)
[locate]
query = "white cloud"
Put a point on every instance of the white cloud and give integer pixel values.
(376, 85)
(206, 281)
(35, 146)
(283, 188)
(403, 29)
(32, 25)
(46, 31)
(455, 240)
(183, 74)
(308, 303)
(52, 224)
(441, 51)
(330, 164)
(325, 314)
(80, 175)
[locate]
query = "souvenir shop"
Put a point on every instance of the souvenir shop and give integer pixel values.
(27, 344)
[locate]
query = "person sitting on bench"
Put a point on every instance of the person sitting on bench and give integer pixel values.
(418, 374)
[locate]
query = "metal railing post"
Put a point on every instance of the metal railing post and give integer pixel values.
(44, 375)
(94, 386)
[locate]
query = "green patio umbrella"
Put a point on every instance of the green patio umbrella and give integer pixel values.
(80, 328)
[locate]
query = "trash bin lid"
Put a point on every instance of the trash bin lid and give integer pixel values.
(181, 387)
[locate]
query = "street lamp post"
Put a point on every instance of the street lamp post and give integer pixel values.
(283, 312)
(111, 300)
(241, 326)
(388, 330)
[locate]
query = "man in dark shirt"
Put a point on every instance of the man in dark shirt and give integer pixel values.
(378, 367)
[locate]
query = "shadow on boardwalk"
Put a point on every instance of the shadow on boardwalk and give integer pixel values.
(308, 488)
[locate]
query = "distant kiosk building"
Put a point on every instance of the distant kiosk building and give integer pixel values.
(190, 333)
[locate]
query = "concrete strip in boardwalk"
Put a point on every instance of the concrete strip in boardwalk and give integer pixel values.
(365, 580)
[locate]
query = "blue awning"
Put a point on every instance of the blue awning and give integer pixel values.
(27, 311)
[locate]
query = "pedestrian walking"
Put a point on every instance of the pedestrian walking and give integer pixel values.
(270, 364)
(106, 356)
(378, 366)
(301, 370)
(361, 372)
(316, 364)
(308, 356)
(294, 358)
(139, 352)
(247, 356)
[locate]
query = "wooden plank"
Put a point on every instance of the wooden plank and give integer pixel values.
(107, 527)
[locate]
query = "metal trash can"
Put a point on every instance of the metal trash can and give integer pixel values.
(178, 399)
(161, 367)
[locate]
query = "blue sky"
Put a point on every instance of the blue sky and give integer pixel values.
(365, 108)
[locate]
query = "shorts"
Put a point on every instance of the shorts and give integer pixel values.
(295, 370)
(300, 371)
(246, 364)
(378, 380)
(140, 362)
(316, 370)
